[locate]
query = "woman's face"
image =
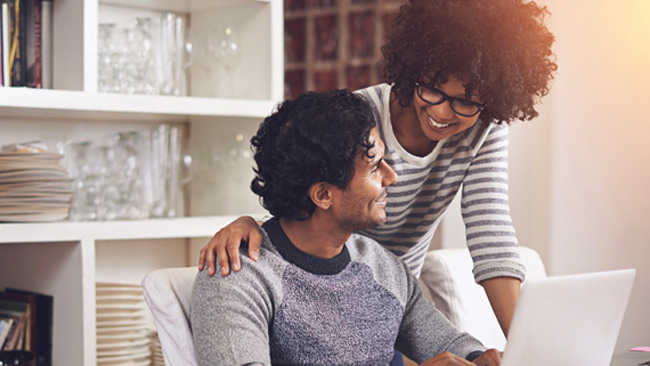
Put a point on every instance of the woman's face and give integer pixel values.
(440, 121)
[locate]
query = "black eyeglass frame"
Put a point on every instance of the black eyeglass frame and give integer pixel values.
(479, 106)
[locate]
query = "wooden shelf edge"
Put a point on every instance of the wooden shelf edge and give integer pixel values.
(47, 103)
(185, 227)
(179, 6)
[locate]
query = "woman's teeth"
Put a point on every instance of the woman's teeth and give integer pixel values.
(436, 124)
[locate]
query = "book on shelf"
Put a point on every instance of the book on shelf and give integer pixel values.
(46, 43)
(4, 38)
(15, 333)
(18, 39)
(19, 308)
(33, 72)
(26, 38)
(42, 330)
(6, 323)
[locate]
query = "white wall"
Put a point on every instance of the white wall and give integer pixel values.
(580, 173)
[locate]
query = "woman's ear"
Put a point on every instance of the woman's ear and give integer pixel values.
(321, 195)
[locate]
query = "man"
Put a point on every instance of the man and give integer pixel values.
(320, 294)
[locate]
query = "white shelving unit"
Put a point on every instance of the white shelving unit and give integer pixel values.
(65, 259)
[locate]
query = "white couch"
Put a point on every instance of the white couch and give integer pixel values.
(168, 293)
(448, 280)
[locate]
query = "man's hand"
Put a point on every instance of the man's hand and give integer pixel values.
(226, 242)
(447, 359)
(491, 357)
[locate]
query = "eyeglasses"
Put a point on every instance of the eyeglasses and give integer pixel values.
(460, 106)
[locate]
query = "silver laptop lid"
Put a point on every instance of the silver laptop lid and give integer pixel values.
(568, 320)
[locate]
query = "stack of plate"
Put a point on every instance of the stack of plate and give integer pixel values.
(156, 351)
(123, 334)
(33, 187)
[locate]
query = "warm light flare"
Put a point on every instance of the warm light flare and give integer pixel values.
(635, 30)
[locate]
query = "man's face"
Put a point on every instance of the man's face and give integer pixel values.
(362, 204)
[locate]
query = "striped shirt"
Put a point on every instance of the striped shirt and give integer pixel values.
(477, 160)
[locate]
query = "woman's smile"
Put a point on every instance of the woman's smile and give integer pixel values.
(438, 125)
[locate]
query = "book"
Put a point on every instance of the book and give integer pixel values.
(46, 43)
(15, 333)
(18, 310)
(2, 83)
(5, 326)
(5, 36)
(17, 60)
(43, 330)
(33, 74)
(19, 301)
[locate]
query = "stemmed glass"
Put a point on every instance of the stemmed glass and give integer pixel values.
(224, 48)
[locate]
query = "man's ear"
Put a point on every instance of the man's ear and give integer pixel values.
(321, 195)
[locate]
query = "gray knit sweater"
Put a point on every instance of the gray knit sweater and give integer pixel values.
(292, 308)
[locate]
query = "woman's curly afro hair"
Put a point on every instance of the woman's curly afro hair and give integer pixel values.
(313, 138)
(500, 48)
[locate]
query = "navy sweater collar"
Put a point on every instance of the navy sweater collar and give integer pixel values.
(305, 261)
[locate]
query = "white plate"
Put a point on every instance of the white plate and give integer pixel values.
(30, 156)
(34, 179)
(122, 325)
(117, 284)
(107, 360)
(9, 164)
(120, 322)
(115, 297)
(26, 191)
(122, 344)
(119, 315)
(14, 173)
(142, 362)
(121, 307)
(37, 186)
(121, 329)
(32, 207)
(128, 351)
(101, 294)
(122, 336)
(157, 359)
(99, 291)
(19, 199)
(33, 217)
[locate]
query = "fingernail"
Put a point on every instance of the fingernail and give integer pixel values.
(255, 256)
(224, 271)
(235, 267)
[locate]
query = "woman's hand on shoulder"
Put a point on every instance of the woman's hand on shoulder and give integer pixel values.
(225, 245)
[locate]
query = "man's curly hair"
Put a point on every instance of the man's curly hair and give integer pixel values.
(501, 48)
(314, 138)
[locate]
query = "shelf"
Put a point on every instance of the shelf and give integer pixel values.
(179, 6)
(65, 259)
(187, 227)
(45, 103)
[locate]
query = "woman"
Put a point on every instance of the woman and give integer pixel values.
(459, 71)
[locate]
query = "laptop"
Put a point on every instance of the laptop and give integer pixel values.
(568, 320)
